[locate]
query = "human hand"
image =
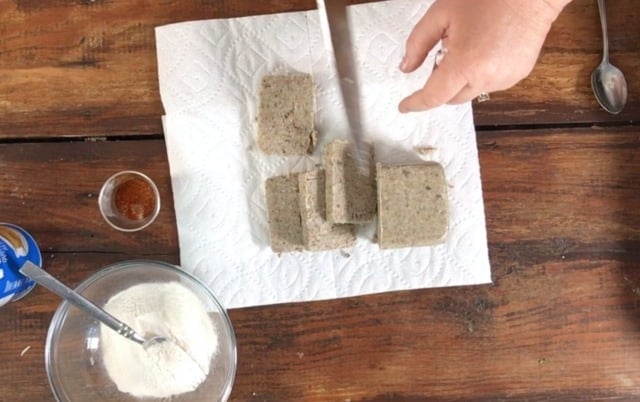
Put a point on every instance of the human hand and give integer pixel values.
(490, 46)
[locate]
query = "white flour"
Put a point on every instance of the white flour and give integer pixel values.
(167, 368)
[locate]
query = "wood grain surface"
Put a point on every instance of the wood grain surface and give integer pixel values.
(561, 183)
(559, 322)
(88, 68)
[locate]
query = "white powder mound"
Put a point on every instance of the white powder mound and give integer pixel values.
(164, 369)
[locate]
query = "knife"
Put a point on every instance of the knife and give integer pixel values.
(334, 23)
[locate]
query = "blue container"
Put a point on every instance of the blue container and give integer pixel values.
(16, 247)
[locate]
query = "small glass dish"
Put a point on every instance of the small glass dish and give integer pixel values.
(129, 201)
(74, 353)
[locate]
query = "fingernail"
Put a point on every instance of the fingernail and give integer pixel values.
(403, 64)
(402, 108)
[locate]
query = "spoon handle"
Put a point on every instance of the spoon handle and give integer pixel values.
(43, 278)
(602, 9)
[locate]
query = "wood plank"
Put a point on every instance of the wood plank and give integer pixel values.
(51, 189)
(576, 184)
(89, 68)
(558, 323)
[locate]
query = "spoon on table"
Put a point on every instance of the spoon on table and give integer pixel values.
(45, 279)
(608, 82)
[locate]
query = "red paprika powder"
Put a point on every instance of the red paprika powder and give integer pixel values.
(135, 199)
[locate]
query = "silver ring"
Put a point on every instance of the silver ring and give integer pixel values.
(483, 97)
(439, 56)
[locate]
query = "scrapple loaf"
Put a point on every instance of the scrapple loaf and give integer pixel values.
(413, 208)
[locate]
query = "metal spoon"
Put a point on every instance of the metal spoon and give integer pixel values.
(608, 82)
(45, 279)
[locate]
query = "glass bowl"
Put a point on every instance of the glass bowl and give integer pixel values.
(74, 352)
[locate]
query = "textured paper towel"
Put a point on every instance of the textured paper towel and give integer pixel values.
(209, 74)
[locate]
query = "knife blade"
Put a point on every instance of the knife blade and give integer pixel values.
(334, 22)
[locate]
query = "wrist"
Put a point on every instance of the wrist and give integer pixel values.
(557, 5)
(540, 13)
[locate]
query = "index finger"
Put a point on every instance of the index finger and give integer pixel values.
(444, 83)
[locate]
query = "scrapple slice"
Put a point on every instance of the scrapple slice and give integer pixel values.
(283, 213)
(350, 195)
(413, 208)
(317, 233)
(286, 114)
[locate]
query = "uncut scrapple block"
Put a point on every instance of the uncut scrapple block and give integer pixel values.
(413, 208)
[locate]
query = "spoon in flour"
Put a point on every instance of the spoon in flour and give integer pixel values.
(154, 323)
(45, 279)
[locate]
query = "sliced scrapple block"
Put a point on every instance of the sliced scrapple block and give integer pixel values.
(286, 114)
(283, 213)
(350, 195)
(413, 208)
(317, 233)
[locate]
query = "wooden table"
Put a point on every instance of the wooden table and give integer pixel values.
(561, 178)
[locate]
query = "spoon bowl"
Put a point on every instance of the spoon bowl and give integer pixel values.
(150, 341)
(609, 87)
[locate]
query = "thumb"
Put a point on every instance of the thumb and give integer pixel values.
(424, 36)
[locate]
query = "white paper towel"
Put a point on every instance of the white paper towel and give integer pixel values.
(209, 73)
